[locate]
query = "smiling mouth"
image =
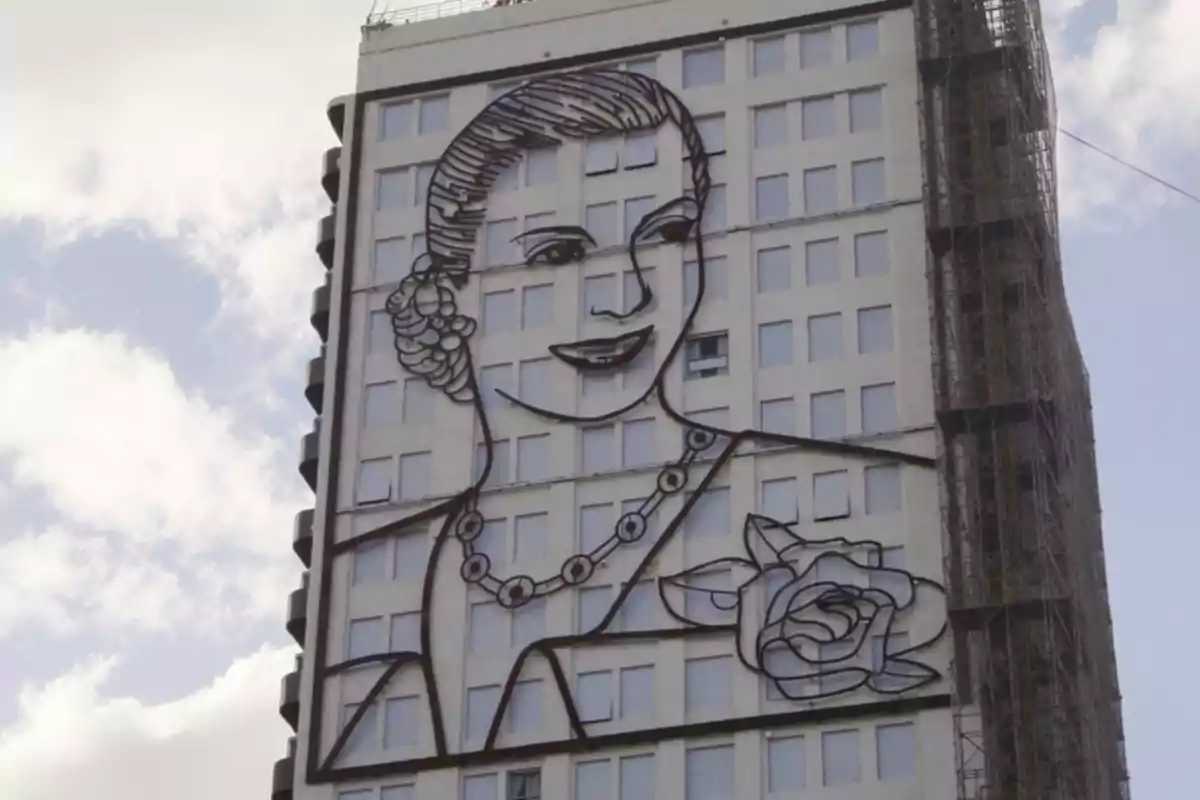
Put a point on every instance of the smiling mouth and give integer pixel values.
(603, 354)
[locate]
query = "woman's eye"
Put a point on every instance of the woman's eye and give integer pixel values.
(670, 229)
(557, 252)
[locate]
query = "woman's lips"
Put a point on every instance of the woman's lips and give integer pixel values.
(603, 354)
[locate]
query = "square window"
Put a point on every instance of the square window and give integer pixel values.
(866, 110)
(392, 189)
(481, 787)
(374, 481)
(710, 515)
(896, 750)
(401, 722)
(418, 401)
(600, 155)
(818, 118)
(704, 67)
(535, 221)
(636, 209)
(595, 526)
(821, 262)
(871, 254)
(482, 702)
(631, 287)
(379, 337)
(769, 56)
(775, 344)
(824, 338)
(714, 418)
(596, 449)
(396, 121)
(875, 330)
(499, 312)
(831, 495)
(828, 415)
(840, 761)
(601, 222)
(862, 40)
(712, 133)
(716, 280)
(525, 712)
(640, 610)
(636, 691)
(598, 384)
(492, 380)
(410, 555)
(592, 780)
(530, 536)
(637, 443)
(770, 126)
(484, 628)
(774, 269)
(599, 293)
(882, 490)
(708, 773)
(380, 406)
(879, 408)
(434, 115)
(405, 633)
(771, 197)
(707, 684)
(533, 457)
(867, 182)
(698, 606)
(816, 48)
(641, 149)
(707, 356)
(499, 247)
(523, 785)
(778, 500)
(391, 259)
(418, 246)
(594, 693)
(839, 657)
(392, 793)
(785, 764)
(365, 738)
(424, 174)
(534, 382)
(365, 637)
(492, 539)
(820, 190)
(415, 475)
(778, 416)
(370, 563)
(895, 642)
(594, 602)
(714, 219)
(509, 177)
(537, 306)
(643, 66)
(499, 474)
(650, 531)
(528, 622)
(541, 166)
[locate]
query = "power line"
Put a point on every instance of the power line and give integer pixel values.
(1125, 163)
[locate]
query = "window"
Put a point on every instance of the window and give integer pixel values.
(524, 785)
(775, 344)
(831, 495)
(482, 702)
(866, 110)
(364, 739)
(374, 481)
(396, 121)
(708, 773)
(424, 175)
(380, 408)
(774, 269)
(370, 563)
(499, 247)
(405, 633)
(365, 637)
(839, 758)
(640, 610)
(529, 536)
(635, 209)
(871, 254)
(418, 246)
(707, 684)
(818, 118)
(541, 166)
(785, 764)
(601, 222)
(821, 262)
(594, 692)
(400, 722)
(434, 115)
(481, 787)
(418, 401)
(380, 333)
(769, 56)
(698, 605)
(492, 379)
(879, 408)
(704, 67)
(716, 280)
(394, 793)
(595, 526)
(882, 489)
(890, 558)
(707, 356)
(771, 197)
(716, 418)
(491, 540)
(392, 189)
(824, 337)
(631, 287)
(714, 210)
(533, 457)
(710, 515)
(779, 660)
(525, 711)
(816, 48)
(598, 384)
(828, 415)
(820, 190)
(409, 557)
(484, 627)
(537, 306)
(391, 258)
(875, 330)
(712, 133)
(415, 475)
(895, 642)
(499, 312)
(534, 382)
(594, 602)
(500, 462)
(641, 149)
(637, 443)
(778, 416)
(862, 40)
(778, 501)
(867, 182)
(636, 691)
(600, 155)
(596, 449)
(643, 66)
(528, 622)
(592, 780)
(770, 126)
(896, 751)
(599, 293)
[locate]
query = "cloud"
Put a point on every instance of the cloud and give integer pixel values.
(72, 741)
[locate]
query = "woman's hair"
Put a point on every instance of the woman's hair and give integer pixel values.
(430, 334)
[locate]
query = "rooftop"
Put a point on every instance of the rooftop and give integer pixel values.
(428, 11)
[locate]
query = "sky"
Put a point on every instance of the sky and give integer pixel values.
(158, 196)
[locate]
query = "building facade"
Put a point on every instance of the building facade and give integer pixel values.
(632, 481)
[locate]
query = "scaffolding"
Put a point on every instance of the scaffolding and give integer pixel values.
(1036, 700)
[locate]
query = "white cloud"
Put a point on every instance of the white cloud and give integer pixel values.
(72, 741)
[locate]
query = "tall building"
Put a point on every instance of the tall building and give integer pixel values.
(700, 416)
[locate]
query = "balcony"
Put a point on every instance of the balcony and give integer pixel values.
(331, 174)
(302, 536)
(289, 696)
(297, 611)
(314, 386)
(310, 448)
(336, 112)
(326, 232)
(283, 776)
(318, 315)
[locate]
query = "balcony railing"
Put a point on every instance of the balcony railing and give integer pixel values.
(428, 11)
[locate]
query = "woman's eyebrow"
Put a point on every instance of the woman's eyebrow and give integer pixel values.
(573, 230)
